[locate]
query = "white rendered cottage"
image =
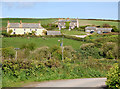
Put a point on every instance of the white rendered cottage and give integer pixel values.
(24, 28)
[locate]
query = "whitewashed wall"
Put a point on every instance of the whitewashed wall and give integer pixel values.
(27, 30)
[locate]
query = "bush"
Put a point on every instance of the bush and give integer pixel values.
(8, 52)
(89, 49)
(69, 53)
(115, 29)
(5, 34)
(56, 52)
(41, 53)
(30, 46)
(110, 50)
(113, 77)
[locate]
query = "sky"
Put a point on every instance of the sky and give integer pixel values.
(82, 10)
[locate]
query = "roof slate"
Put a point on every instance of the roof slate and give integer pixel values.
(53, 33)
(25, 25)
(14, 25)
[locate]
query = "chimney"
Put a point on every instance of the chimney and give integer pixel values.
(20, 24)
(39, 24)
(20, 21)
(77, 23)
(8, 21)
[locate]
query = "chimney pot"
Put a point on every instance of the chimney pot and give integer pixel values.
(8, 21)
(20, 21)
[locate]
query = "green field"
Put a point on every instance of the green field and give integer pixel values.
(97, 22)
(73, 32)
(19, 41)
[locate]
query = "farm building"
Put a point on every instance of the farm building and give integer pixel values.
(98, 30)
(24, 28)
(73, 23)
(53, 33)
(61, 24)
(89, 29)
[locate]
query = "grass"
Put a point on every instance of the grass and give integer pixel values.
(19, 41)
(73, 32)
(97, 22)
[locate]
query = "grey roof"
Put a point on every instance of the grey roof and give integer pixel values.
(30, 25)
(73, 24)
(14, 25)
(103, 28)
(53, 33)
(90, 28)
(61, 23)
(73, 20)
(24, 25)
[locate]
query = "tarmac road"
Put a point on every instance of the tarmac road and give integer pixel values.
(85, 82)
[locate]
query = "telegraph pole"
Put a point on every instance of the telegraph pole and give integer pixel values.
(16, 52)
(62, 50)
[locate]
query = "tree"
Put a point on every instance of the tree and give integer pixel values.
(33, 32)
(8, 52)
(10, 31)
(67, 25)
(115, 29)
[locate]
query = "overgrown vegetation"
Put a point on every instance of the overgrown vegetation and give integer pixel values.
(113, 77)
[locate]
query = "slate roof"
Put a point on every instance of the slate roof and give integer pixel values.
(73, 20)
(24, 25)
(90, 28)
(53, 33)
(104, 29)
(14, 25)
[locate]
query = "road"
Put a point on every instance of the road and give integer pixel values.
(86, 82)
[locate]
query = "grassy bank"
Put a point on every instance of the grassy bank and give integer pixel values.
(39, 71)
(39, 42)
(43, 61)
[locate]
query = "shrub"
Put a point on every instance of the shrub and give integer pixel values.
(8, 52)
(5, 34)
(30, 46)
(56, 52)
(110, 50)
(89, 49)
(113, 77)
(41, 53)
(10, 31)
(115, 29)
(69, 52)
(67, 25)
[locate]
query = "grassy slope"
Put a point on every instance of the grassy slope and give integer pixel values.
(97, 22)
(72, 32)
(18, 41)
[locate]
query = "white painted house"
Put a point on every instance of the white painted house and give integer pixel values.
(24, 28)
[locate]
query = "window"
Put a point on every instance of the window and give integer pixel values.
(13, 32)
(24, 33)
(24, 29)
(14, 29)
(30, 29)
(35, 29)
